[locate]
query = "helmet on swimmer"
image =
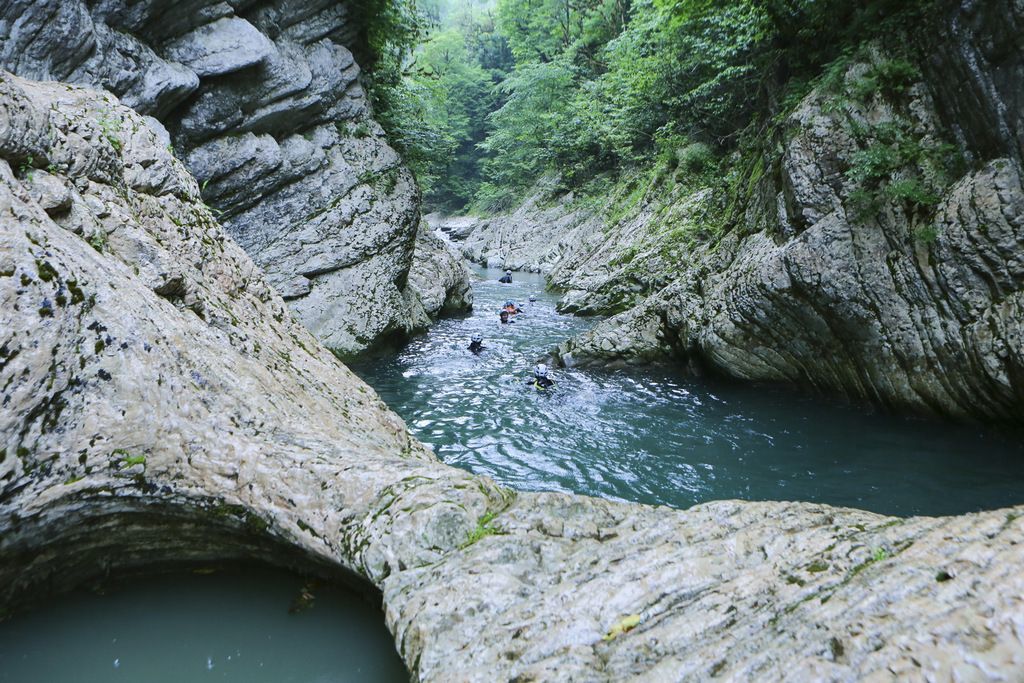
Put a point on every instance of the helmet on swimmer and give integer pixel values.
(510, 303)
(508, 272)
(541, 370)
(533, 297)
(477, 338)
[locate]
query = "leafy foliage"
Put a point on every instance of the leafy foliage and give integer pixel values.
(390, 29)
(891, 78)
(503, 92)
(483, 529)
(898, 165)
(436, 113)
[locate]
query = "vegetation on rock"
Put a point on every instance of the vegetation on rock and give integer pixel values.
(502, 92)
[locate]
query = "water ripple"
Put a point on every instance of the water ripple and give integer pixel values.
(656, 437)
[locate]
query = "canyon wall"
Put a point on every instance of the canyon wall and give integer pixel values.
(162, 407)
(874, 247)
(264, 103)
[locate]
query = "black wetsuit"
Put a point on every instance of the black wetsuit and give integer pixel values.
(541, 383)
(476, 347)
(505, 279)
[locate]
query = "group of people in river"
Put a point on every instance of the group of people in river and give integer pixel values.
(540, 380)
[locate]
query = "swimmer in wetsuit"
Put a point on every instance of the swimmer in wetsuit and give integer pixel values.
(540, 380)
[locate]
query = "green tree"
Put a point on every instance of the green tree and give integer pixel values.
(501, 92)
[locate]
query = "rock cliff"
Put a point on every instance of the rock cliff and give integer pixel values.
(160, 406)
(263, 101)
(873, 248)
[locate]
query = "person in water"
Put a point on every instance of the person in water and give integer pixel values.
(506, 279)
(533, 298)
(505, 319)
(511, 308)
(476, 343)
(540, 380)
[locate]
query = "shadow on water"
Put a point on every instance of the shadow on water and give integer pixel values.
(227, 626)
(656, 436)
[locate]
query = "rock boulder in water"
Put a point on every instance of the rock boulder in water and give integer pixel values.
(439, 275)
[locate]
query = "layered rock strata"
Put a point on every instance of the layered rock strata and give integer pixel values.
(264, 103)
(908, 291)
(161, 405)
(439, 276)
(534, 237)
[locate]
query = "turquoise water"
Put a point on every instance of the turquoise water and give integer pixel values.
(188, 628)
(655, 436)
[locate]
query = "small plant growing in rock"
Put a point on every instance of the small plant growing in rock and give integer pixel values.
(388, 180)
(110, 126)
(696, 157)
(898, 165)
(483, 528)
(361, 130)
(127, 459)
(25, 168)
(911, 190)
(98, 241)
(927, 233)
(624, 625)
(817, 566)
(891, 78)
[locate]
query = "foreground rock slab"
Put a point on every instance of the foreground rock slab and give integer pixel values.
(161, 406)
(580, 589)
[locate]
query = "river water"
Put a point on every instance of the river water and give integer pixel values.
(233, 627)
(655, 436)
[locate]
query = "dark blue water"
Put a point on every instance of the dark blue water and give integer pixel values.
(189, 628)
(655, 436)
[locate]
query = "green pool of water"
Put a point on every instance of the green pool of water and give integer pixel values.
(655, 436)
(186, 628)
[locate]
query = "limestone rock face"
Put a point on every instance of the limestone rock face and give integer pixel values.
(161, 406)
(455, 227)
(531, 238)
(220, 47)
(579, 589)
(153, 378)
(606, 260)
(901, 299)
(439, 276)
(906, 308)
(263, 101)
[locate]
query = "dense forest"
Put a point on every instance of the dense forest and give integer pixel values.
(483, 98)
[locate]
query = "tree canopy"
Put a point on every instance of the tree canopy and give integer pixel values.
(498, 93)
